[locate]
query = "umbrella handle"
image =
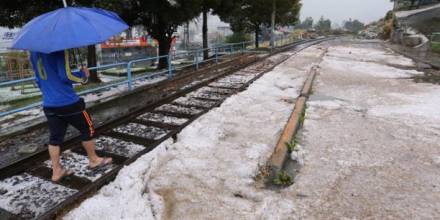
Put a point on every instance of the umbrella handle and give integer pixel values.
(85, 80)
(77, 56)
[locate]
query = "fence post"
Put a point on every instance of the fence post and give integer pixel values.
(216, 55)
(242, 47)
(232, 49)
(129, 78)
(157, 56)
(197, 59)
(170, 68)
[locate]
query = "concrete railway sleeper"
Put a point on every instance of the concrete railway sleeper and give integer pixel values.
(29, 193)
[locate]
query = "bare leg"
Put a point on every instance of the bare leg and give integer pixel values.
(57, 169)
(94, 160)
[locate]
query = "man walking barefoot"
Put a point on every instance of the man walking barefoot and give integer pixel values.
(62, 106)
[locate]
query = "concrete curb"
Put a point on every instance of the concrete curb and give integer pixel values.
(410, 56)
(280, 154)
(307, 88)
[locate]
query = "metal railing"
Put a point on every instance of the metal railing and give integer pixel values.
(216, 54)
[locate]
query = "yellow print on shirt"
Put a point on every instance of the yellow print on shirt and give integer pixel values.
(69, 74)
(41, 71)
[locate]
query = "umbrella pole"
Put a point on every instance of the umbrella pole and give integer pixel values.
(78, 58)
(76, 52)
(81, 61)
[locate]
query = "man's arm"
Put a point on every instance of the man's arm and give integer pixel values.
(76, 76)
(34, 60)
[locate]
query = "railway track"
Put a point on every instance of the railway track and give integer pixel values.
(28, 193)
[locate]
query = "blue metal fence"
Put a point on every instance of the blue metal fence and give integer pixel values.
(216, 54)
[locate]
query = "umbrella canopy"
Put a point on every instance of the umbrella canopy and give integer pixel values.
(67, 28)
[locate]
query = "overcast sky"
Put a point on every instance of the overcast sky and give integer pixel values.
(340, 10)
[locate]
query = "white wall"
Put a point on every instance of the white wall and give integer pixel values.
(4, 42)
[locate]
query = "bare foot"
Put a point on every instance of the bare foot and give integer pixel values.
(100, 162)
(59, 174)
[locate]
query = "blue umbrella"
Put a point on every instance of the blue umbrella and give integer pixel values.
(67, 28)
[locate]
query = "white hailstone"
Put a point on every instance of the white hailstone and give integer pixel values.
(298, 155)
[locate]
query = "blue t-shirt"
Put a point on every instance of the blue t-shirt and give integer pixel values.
(55, 79)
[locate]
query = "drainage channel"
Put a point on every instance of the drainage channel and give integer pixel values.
(31, 194)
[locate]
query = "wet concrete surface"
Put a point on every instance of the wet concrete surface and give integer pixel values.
(371, 140)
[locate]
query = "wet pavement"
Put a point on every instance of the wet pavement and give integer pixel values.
(371, 139)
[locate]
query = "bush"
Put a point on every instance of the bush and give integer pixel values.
(387, 29)
(237, 38)
(389, 15)
(435, 47)
(283, 179)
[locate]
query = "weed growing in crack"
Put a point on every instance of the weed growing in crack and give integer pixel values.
(293, 145)
(302, 118)
(263, 172)
(283, 179)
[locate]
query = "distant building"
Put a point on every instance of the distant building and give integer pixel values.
(6, 37)
(412, 4)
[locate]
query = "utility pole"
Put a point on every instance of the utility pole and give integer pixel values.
(65, 3)
(205, 34)
(186, 35)
(272, 34)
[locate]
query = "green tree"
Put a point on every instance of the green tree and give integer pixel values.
(323, 25)
(15, 13)
(159, 17)
(254, 14)
(237, 37)
(222, 8)
(353, 26)
(306, 24)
